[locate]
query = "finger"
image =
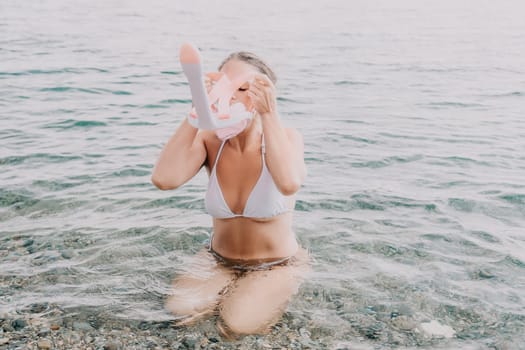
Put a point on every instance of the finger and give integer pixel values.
(253, 97)
(264, 85)
(255, 88)
(260, 85)
(264, 89)
(263, 80)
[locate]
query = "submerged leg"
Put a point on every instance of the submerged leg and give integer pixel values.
(196, 292)
(257, 300)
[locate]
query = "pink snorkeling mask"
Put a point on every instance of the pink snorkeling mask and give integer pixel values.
(213, 111)
(231, 131)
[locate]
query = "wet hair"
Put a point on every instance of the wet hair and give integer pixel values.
(253, 60)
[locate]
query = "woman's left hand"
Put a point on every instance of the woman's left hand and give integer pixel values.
(262, 93)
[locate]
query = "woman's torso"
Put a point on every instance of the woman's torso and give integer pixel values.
(237, 173)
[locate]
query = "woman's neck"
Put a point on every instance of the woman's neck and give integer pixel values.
(250, 137)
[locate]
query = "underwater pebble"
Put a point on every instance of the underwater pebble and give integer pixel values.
(73, 331)
(304, 333)
(27, 243)
(6, 327)
(485, 274)
(189, 342)
(82, 326)
(19, 324)
(151, 343)
(38, 307)
(111, 346)
(4, 341)
(44, 332)
(403, 323)
(374, 331)
(203, 342)
(435, 329)
(67, 254)
(44, 344)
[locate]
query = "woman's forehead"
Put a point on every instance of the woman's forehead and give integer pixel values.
(236, 67)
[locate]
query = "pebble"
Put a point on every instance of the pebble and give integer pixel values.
(403, 323)
(485, 274)
(27, 243)
(189, 342)
(304, 333)
(67, 254)
(204, 342)
(57, 330)
(7, 327)
(19, 324)
(374, 331)
(39, 307)
(405, 310)
(82, 326)
(111, 346)
(435, 329)
(151, 343)
(44, 332)
(44, 344)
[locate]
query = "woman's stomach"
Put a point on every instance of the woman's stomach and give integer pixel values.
(249, 238)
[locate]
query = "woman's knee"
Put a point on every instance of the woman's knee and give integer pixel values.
(240, 318)
(238, 324)
(186, 305)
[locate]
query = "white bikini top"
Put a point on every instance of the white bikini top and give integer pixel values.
(264, 201)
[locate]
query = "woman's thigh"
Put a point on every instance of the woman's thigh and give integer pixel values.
(258, 299)
(198, 289)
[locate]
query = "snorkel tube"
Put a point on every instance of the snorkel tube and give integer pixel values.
(213, 111)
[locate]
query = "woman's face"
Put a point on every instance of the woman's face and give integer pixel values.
(233, 69)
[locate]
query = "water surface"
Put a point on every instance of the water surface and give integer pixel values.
(412, 114)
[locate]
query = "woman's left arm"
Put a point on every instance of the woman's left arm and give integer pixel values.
(284, 147)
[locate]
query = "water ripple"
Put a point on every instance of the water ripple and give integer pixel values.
(413, 207)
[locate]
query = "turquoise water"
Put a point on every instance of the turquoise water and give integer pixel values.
(412, 112)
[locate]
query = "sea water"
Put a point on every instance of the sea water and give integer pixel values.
(413, 120)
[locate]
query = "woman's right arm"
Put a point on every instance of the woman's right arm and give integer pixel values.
(181, 158)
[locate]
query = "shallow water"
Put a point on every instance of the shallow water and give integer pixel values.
(412, 112)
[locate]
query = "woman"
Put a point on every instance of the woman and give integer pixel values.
(253, 264)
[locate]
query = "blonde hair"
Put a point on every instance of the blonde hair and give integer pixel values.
(253, 60)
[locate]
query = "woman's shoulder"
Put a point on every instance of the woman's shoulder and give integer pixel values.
(210, 140)
(211, 143)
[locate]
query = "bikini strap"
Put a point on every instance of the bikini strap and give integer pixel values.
(218, 155)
